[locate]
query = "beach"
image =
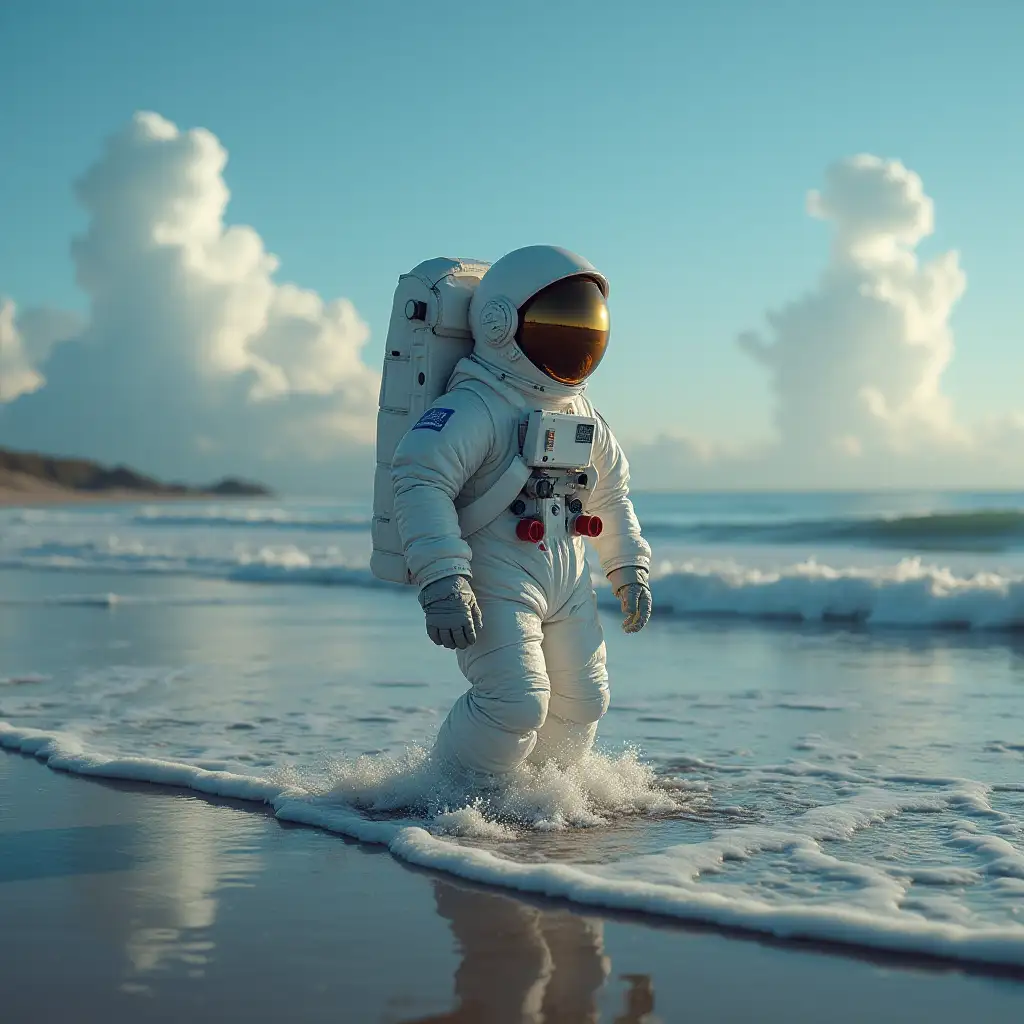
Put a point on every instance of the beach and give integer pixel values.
(19, 490)
(127, 902)
(811, 775)
(23, 490)
(754, 754)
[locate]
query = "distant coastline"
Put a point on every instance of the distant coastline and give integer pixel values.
(31, 478)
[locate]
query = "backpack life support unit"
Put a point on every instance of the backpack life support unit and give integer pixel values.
(427, 336)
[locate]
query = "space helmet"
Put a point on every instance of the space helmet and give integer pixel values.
(541, 313)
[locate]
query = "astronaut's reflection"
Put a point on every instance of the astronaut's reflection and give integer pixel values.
(525, 965)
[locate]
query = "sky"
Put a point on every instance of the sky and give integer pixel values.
(806, 211)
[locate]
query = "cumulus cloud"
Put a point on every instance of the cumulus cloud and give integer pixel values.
(192, 354)
(856, 364)
(193, 360)
(25, 342)
(17, 373)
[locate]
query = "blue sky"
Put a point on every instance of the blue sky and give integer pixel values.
(671, 144)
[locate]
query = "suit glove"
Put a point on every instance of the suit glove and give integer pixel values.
(630, 585)
(453, 616)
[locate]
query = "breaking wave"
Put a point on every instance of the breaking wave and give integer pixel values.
(285, 563)
(251, 518)
(989, 530)
(981, 530)
(839, 898)
(908, 593)
(986, 530)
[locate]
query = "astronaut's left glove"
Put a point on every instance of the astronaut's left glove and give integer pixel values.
(453, 616)
(630, 585)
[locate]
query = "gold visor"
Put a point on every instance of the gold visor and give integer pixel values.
(563, 330)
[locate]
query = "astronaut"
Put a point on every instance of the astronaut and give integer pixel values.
(520, 612)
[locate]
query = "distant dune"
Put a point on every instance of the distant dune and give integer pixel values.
(29, 478)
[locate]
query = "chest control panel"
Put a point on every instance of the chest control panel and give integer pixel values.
(558, 440)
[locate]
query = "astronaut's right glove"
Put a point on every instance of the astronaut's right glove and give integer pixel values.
(453, 616)
(630, 585)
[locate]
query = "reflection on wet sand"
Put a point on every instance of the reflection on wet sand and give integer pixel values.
(186, 863)
(178, 858)
(526, 965)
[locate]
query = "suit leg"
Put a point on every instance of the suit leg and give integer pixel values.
(575, 656)
(492, 727)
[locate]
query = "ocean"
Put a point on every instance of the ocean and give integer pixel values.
(819, 735)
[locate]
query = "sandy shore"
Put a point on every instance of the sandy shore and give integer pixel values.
(62, 496)
(20, 490)
(124, 902)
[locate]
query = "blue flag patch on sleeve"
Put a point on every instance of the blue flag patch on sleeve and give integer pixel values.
(434, 419)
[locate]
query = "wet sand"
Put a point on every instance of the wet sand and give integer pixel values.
(43, 495)
(18, 490)
(126, 902)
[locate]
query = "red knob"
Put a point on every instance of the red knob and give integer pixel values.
(588, 526)
(531, 530)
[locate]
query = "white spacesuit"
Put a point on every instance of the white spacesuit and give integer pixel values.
(515, 597)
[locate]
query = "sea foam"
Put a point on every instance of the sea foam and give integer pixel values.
(377, 801)
(907, 594)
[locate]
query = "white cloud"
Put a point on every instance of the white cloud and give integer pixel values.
(856, 364)
(193, 360)
(192, 355)
(17, 373)
(25, 342)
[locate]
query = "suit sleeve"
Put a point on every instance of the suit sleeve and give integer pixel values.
(621, 542)
(430, 467)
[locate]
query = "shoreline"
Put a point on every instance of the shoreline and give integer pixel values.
(44, 496)
(155, 903)
(372, 835)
